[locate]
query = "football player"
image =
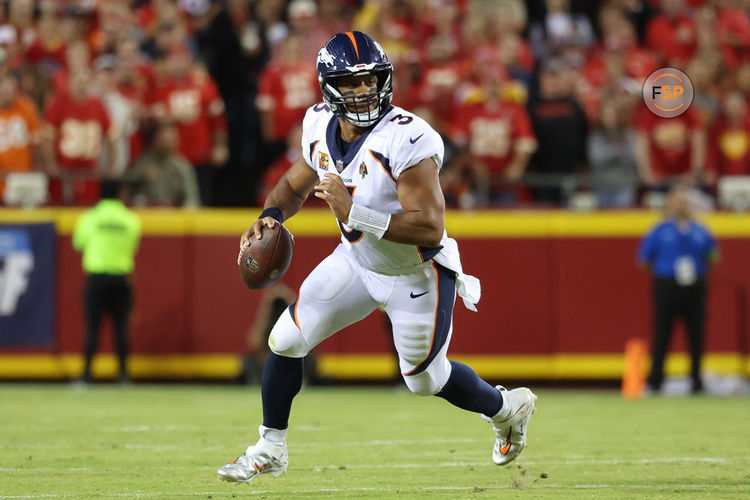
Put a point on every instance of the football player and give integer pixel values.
(376, 165)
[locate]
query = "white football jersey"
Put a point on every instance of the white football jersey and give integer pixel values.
(370, 169)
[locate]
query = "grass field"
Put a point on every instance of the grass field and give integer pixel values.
(167, 441)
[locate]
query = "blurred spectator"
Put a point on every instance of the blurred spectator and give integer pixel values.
(136, 82)
(288, 86)
(305, 21)
(517, 59)
(77, 58)
(19, 130)
(499, 141)
(730, 139)
(561, 32)
(78, 125)
(190, 99)
(270, 15)
(560, 127)
(121, 111)
(108, 236)
(440, 51)
(233, 45)
(392, 24)
(115, 20)
(669, 148)
(442, 74)
(742, 79)
(161, 176)
(678, 253)
(335, 16)
(166, 32)
(45, 45)
(705, 91)
(273, 174)
(733, 30)
(709, 41)
(672, 34)
(611, 154)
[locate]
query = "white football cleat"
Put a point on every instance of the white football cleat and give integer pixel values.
(510, 432)
(261, 458)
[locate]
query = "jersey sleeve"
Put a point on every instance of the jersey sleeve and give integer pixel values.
(413, 144)
(311, 123)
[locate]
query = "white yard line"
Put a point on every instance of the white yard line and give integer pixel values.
(378, 490)
(717, 460)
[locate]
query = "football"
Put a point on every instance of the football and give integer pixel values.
(263, 261)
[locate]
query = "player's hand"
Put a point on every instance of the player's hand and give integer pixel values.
(332, 190)
(256, 230)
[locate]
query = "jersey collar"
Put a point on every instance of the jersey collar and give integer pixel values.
(333, 147)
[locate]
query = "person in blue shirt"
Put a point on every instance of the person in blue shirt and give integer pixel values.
(678, 252)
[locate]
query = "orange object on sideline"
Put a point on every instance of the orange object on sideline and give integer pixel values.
(634, 375)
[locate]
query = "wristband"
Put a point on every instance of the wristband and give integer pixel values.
(274, 212)
(368, 220)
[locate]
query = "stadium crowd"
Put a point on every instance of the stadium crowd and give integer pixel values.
(199, 102)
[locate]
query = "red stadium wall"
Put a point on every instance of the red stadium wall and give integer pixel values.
(554, 296)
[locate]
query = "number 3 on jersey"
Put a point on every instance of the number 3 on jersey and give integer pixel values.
(353, 235)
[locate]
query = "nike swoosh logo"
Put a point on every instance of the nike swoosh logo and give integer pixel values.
(415, 139)
(418, 295)
(505, 449)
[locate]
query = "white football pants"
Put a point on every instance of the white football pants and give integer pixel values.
(339, 292)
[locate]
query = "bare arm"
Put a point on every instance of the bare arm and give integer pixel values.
(287, 195)
(423, 219)
(523, 148)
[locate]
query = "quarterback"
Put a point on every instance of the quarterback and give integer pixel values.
(376, 165)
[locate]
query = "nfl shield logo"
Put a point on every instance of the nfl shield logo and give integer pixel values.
(251, 264)
(323, 161)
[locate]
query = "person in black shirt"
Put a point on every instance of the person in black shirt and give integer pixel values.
(560, 127)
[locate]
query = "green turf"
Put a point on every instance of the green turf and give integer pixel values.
(166, 442)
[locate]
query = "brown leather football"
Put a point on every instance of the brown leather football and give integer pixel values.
(265, 260)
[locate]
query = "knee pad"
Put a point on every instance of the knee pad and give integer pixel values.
(286, 339)
(432, 380)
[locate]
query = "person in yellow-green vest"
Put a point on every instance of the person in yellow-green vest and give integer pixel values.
(108, 236)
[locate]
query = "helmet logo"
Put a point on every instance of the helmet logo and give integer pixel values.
(325, 57)
(323, 161)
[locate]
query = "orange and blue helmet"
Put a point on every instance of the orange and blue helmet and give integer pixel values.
(353, 54)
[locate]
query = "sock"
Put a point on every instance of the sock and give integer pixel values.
(282, 380)
(275, 436)
(466, 390)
